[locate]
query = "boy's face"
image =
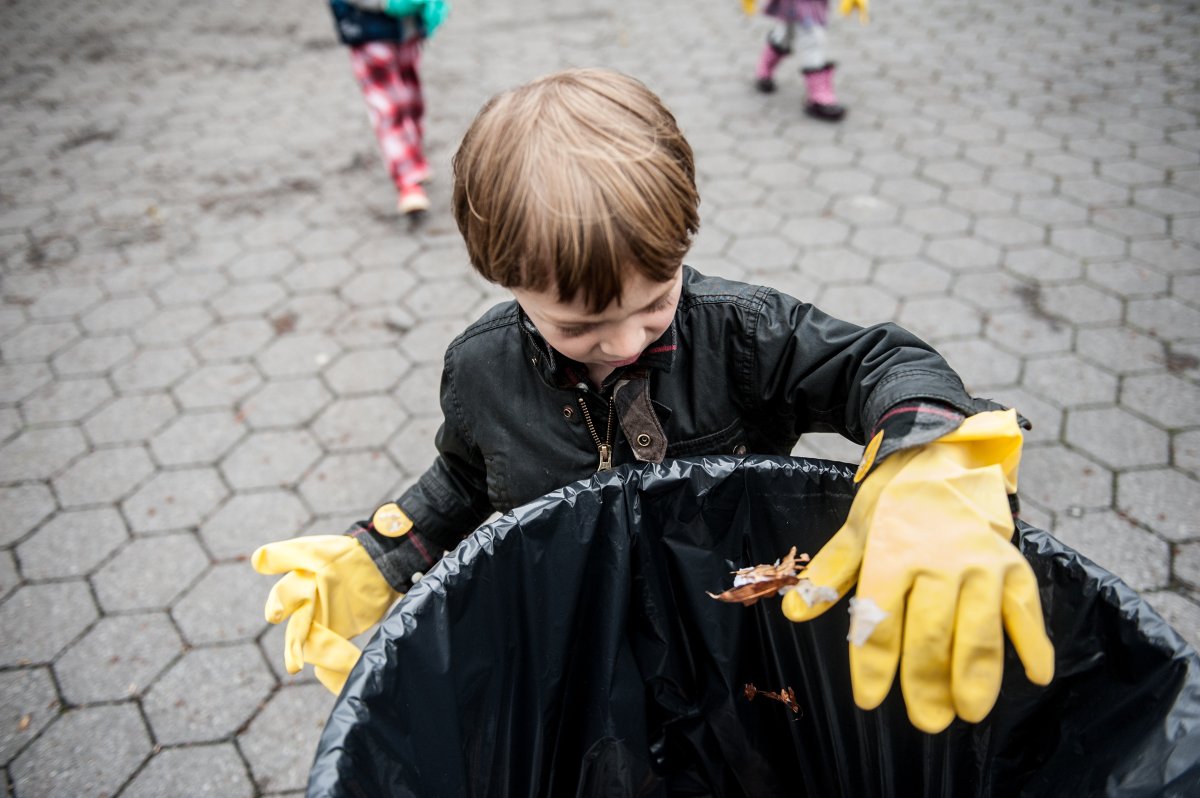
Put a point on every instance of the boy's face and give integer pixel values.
(615, 336)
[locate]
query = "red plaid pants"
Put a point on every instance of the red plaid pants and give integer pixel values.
(387, 74)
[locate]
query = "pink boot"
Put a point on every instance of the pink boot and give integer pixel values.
(822, 102)
(764, 74)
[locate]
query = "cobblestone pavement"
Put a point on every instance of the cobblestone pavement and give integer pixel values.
(215, 333)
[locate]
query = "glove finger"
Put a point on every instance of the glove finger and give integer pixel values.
(330, 651)
(288, 594)
(1023, 621)
(310, 553)
(295, 638)
(977, 663)
(333, 681)
(875, 638)
(925, 658)
(827, 578)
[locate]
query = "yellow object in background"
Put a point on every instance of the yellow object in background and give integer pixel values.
(848, 7)
(928, 540)
(332, 591)
(748, 7)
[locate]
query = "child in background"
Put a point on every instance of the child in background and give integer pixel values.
(385, 39)
(801, 29)
(577, 193)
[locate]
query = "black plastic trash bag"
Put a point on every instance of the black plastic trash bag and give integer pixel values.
(570, 649)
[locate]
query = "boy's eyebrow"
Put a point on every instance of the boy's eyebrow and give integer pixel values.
(592, 323)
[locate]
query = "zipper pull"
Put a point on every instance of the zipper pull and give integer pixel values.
(605, 458)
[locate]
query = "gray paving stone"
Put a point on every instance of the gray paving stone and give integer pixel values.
(39, 453)
(247, 300)
(939, 316)
(173, 326)
(964, 254)
(88, 751)
(118, 315)
(153, 369)
(270, 459)
(189, 289)
(906, 278)
(130, 419)
(10, 580)
(149, 573)
(94, 355)
(38, 621)
(351, 482)
(224, 606)
(1079, 304)
(72, 544)
(1127, 279)
(1165, 500)
(1167, 400)
(197, 438)
(804, 232)
(200, 770)
(1186, 449)
(28, 703)
(285, 403)
(1068, 381)
(412, 447)
(1164, 317)
(1087, 242)
(290, 725)
(1045, 417)
(1020, 180)
(1093, 192)
(248, 520)
(991, 291)
(1117, 438)
(1043, 265)
(38, 341)
(367, 371)
(354, 423)
(935, 221)
(65, 400)
(22, 508)
(233, 340)
(318, 275)
(1121, 350)
(981, 364)
(1131, 222)
(910, 190)
(64, 302)
(1051, 210)
(18, 380)
(1112, 542)
(1058, 479)
(208, 694)
(892, 241)
(297, 355)
(1166, 200)
(217, 385)
(105, 475)
(174, 500)
(1187, 564)
(117, 658)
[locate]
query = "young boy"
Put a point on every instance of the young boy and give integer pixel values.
(577, 193)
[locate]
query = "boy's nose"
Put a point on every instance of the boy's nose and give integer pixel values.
(625, 343)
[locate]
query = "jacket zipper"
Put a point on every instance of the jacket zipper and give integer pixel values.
(605, 447)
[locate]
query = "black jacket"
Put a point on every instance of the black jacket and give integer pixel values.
(743, 369)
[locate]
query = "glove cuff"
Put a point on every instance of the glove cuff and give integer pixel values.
(398, 559)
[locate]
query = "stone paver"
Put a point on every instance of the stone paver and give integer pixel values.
(214, 333)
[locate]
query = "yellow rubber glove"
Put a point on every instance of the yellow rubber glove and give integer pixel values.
(748, 7)
(332, 591)
(928, 539)
(847, 7)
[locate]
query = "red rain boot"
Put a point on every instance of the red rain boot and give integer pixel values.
(822, 102)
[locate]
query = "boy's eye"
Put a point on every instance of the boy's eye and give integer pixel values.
(572, 332)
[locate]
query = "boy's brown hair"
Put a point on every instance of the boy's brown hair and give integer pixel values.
(570, 180)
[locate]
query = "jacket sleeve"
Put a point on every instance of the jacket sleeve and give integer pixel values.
(820, 374)
(448, 501)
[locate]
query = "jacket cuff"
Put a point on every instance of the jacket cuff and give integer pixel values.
(402, 560)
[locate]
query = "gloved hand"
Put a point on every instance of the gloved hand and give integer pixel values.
(332, 591)
(928, 539)
(847, 7)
